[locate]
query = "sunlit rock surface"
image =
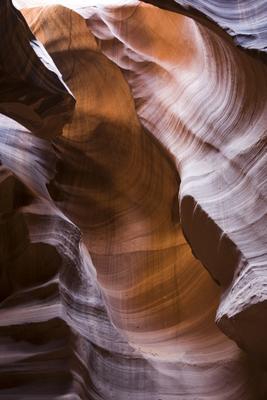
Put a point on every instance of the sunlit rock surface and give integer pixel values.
(244, 20)
(114, 235)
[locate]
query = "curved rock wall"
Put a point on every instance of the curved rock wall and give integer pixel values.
(208, 94)
(245, 21)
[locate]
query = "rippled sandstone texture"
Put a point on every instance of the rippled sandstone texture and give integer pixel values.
(101, 297)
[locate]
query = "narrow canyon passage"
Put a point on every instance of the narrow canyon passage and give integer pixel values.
(133, 208)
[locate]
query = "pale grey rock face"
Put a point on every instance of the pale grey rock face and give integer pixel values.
(245, 21)
(133, 246)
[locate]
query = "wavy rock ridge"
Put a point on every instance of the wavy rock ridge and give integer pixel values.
(245, 21)
(101, 297)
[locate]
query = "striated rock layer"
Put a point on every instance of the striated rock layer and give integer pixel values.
(245, 21)
(206, 126)
(101, 296)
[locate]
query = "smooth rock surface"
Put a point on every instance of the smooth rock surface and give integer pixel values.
(212, 122)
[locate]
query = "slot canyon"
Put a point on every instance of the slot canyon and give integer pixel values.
(133, 207)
